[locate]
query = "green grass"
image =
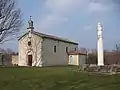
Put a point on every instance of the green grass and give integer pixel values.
(55, 78)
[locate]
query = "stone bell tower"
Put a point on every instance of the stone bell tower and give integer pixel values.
(30, 27)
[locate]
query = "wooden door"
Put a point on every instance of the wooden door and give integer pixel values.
(29, 60)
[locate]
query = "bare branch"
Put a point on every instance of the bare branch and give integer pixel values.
(9, 39)
(10, 19)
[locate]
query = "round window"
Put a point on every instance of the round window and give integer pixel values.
(29, 43)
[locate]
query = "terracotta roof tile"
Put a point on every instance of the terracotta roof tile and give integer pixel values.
(76, 53)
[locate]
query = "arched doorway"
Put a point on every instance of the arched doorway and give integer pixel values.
(29, 60)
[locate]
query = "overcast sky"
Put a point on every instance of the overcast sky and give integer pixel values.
(73, 19)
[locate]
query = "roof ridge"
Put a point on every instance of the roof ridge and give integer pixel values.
(50, 36)
(54, 36)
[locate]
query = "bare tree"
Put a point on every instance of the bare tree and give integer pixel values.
(106, 57)
(117, 53)
(2, 51)
(83, 50)
(9, 51)
(5, 55)
(10, 20)
(92, 58)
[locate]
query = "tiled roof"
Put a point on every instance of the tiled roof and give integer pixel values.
(76, 53)
(50, 37)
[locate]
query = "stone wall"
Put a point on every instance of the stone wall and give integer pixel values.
(105, 68)
(54, 52)
(14, 60)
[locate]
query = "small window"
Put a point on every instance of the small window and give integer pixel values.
(54, 48)
(66, 49)
(29, 43)
(75, 49)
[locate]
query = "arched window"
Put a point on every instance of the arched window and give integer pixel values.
(55, 49)
(75, 49)
(66, 49)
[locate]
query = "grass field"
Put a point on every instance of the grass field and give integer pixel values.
(55, 78)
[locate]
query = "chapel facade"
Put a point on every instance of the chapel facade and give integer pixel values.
(39, 49)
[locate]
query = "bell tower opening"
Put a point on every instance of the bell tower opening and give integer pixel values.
(30, 24)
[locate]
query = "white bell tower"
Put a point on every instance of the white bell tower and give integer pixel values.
(100, 45)
(30, 27)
